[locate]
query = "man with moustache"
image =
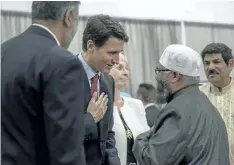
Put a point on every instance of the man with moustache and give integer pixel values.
(42, 104)
(103, 40)
(218, 63)
(188, 130)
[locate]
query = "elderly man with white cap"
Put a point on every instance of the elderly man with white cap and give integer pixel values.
(188, 130)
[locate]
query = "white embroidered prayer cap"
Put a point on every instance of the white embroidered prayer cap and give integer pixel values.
(181, 59)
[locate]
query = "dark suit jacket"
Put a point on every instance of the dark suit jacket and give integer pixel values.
(42, 102)
(99, 138)
(151, 115)
(188, 131)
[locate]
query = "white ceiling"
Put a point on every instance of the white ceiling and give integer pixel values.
(191, 10)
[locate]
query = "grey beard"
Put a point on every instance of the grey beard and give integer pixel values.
(162, 92)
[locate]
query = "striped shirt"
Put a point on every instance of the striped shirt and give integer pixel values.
(224, 101)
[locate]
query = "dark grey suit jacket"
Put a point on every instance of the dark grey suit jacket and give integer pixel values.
(99, 138)
(42, 102)
(188, 131)
(151, 114)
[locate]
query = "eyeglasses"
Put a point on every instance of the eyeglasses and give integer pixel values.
(157, 70)
(121, 67)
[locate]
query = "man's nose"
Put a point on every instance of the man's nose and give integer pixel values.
(211, 66)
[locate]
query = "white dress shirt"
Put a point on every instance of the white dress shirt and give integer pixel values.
(133, 113)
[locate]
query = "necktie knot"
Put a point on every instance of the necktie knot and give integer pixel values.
(94, 83)
(95, 78)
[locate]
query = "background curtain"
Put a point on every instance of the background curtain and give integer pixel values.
(148, 39)
(198, 35)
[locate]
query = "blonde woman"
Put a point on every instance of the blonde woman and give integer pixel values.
(129, 115)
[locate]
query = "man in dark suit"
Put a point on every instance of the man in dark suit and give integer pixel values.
(147, 94)
(103, 40)
(42, 91)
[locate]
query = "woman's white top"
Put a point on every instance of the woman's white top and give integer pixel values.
(133, 113)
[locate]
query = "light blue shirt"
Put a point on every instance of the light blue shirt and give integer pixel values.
(125, 94)
(89, 72)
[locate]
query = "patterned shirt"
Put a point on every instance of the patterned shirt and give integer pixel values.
(224, 101)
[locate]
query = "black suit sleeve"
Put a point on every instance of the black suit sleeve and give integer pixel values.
(111, 151)
(64, 113)
(91, 129)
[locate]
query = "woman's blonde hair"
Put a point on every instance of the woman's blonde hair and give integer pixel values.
(123, 57)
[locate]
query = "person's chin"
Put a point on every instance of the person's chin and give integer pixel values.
(213, 78)
(123, 85)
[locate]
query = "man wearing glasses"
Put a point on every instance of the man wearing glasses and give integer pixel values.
(189, 129)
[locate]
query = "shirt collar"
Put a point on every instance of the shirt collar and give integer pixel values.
(42, 26)
(225, 89)
(89, 71)
(149, 105)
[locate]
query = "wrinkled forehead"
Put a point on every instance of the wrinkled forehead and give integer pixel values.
(213, 56)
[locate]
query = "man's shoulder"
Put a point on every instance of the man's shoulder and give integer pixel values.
(107, 82)
(151, 107)
(61, 54)
(171, 110)
(107, 79)
(60, 58)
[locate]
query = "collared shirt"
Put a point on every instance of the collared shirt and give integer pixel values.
(42, 26)
(224, 102)
(89, 72)
(159, 106)
(124, 94)
(149, 105)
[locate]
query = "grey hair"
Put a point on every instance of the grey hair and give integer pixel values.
(52, 10)
(189, 80)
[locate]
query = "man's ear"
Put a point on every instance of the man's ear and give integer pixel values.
(231, 64)
(68, 18)
(90, 46)
(175, 76)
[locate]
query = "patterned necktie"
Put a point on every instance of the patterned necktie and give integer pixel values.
(94, 83)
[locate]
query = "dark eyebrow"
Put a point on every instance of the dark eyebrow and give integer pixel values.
(217, 59)
(114, 51)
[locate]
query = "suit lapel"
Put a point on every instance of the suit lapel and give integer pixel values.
(88, 96)
(103, 85)
(103, 89)
(87, 88)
